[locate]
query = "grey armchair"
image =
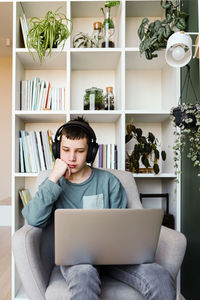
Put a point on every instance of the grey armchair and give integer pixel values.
(33, 250)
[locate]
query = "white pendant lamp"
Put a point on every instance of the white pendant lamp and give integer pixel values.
(179, 49)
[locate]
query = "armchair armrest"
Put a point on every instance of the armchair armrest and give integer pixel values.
(171, 250)
(26, 250)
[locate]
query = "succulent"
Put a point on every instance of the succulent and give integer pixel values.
(83, 40)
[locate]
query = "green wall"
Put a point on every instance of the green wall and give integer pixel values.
(190, 273)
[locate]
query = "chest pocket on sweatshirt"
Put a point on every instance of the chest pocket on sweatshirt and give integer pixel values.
(93, 201)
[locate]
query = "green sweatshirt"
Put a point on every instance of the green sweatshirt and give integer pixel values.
(101, 190)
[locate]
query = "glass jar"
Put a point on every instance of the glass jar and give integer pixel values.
(109, 101)
(93, 99)
(97, 34)
(108, 32)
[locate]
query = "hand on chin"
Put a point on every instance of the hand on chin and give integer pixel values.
(68, 173)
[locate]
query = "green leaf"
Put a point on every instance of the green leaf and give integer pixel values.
(145, 161)
(128, 137)
(181, 24)
(163, 155)
(156, 168)
(151, 137)
(141, 32)
(157, 154)
(139, 132)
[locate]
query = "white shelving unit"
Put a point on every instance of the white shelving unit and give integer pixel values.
(144, 90)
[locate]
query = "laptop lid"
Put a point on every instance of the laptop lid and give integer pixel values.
(106, 236)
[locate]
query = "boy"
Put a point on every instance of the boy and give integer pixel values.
(74, 184)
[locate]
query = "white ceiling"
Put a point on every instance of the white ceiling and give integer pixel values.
(5, 28)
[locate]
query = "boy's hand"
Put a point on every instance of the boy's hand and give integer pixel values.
(60, 169)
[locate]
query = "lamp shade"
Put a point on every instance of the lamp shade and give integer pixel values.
(179, 49)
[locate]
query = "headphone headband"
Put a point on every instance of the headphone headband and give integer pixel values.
(88, 130)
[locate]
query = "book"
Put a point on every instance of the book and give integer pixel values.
(100, 164)
(41, 155)
(24, 28)
(25, 196)
(21, 156)
(23, 134)
(108, 156)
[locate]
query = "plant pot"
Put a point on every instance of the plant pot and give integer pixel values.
(180, 116)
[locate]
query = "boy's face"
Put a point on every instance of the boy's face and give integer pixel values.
(74, 153)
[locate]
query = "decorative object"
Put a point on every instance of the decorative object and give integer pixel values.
(48, 33)
(109, 102)
(84, 40)
(93, 99)
(145, 149)
(154, 35)
(186, 116)
(97, 33)
(108, 24)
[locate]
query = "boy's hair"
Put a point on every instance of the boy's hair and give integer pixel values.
(74, 132)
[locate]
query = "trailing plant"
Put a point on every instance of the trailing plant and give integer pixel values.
(154, 35)
(48, 33)
(189, 132)
(186, 117)
(83, 40)
(145, 149)
(109, 5)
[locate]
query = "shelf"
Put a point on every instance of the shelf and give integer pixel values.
(41, 116)
(147, 117)
(57, 60)
(137, 61)
(155, 176)
(95, 59)
(100, 116)
(26, 174)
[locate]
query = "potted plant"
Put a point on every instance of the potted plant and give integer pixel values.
(108, 24)
(186, 116)
(154, 35)
(83, 40)
(188, 122)
(48, 33)
(145, 150)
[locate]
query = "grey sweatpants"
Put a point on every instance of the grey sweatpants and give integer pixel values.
(152, 280)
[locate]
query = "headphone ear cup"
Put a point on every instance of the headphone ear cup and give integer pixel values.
(92, 152)
(56, 149)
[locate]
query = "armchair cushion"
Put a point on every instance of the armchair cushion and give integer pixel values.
(111, 289)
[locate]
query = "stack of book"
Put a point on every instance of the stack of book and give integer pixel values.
(39, 95)
(35, 148)
(107, 157)
(25, 196)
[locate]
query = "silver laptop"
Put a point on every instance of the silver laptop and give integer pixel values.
(106, 236)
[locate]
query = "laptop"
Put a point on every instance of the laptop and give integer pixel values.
(106, 236)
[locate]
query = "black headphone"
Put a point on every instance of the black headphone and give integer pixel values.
(92, 147)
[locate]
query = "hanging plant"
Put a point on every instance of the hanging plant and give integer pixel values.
(145, 150)
(186, 117)
(154, 35)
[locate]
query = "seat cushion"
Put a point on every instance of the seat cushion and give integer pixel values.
(111, 289)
